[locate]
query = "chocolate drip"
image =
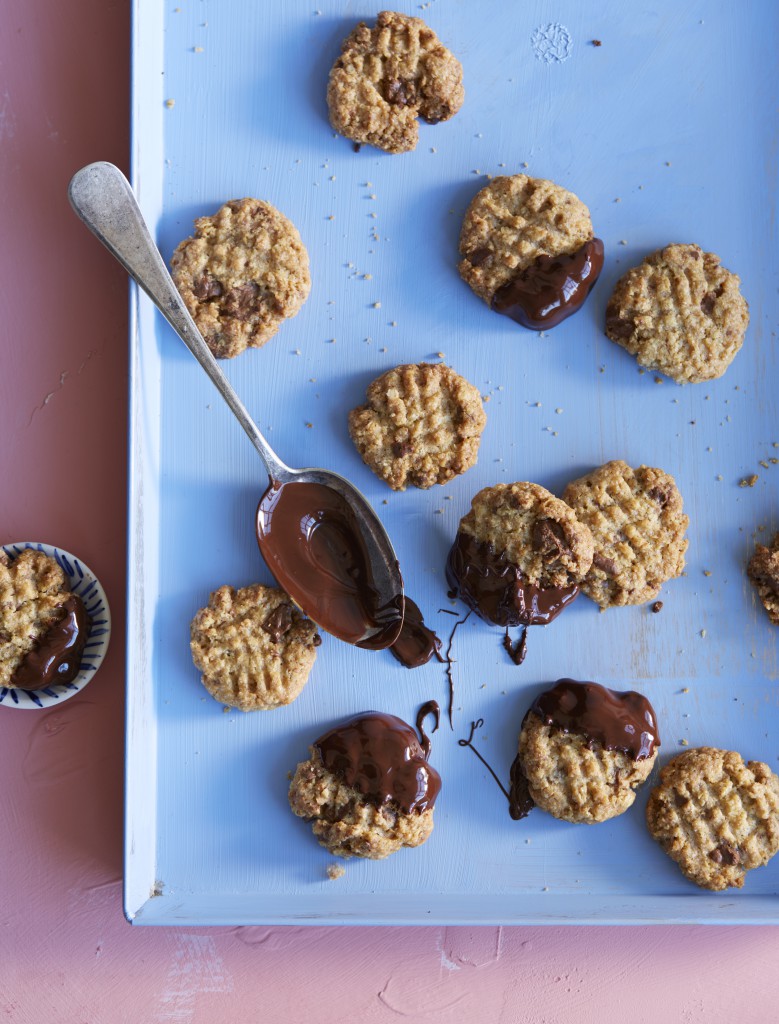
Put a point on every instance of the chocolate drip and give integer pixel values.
(431, 707)
(380, 756)
(552, 288)
(449, 663)
(417, 643)
(616, 720)
(521, 803)
(493, 587)
(57, 657)
(518, 651)
(312, 542)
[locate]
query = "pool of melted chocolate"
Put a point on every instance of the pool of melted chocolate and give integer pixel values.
(311, 541)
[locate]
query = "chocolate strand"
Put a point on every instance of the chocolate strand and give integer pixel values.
(433, 708)
(449, 675)
(469, 743)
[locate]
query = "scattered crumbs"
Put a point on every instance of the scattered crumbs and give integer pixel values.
(524, 163)
(197, 49)
(170, 104)
(332, 341)
(601, 369)
(618, 200)
(685, 689)
(433, 149)
(485, 398)
(538, 405)
(597, 42)
(684, 743)
(501, 165)
(749, 481)
(309, 425)
(657, 606)
(312, 380)
(383, 349)
(709, 449)
(658, 380)
(641, 187)
(718, 476)
(558, 411)
(483, 687)
(225, 710)
(763, 464)
(774, 462)
(707, 572)
(438, 511)
(440, 355)
(334, 871)
(703, 634)
(447, 497)
(367, 277)
(372, 195)
(545, 889)
(775, 444)
(332, 177)
(297, 352)
(331, 217)
(623, 241)
(377, 305)
(384, 501)
(476, 171)
(393, 323)
(668, 163)
(372, 215)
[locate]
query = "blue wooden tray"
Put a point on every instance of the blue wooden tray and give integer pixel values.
(668, 132)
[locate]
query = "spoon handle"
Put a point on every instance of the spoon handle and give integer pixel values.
(103, 199)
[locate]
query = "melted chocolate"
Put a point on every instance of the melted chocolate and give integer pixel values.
(57, 657)
(417, 643)
(616, 720)
(552, 288)
(493, 587)
(278, 622)
(521, 803)
(431, 707)
(312, 542)
(380, 756)
(449, 662)
(518, 651)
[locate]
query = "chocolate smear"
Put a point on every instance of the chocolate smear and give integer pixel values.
(417, 643)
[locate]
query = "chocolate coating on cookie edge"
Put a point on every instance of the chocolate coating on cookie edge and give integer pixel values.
(494, 588)
(551, 288)
(57, 657)
(380, 756)
(624, 721)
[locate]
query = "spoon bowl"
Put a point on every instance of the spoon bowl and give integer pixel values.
(320, 538)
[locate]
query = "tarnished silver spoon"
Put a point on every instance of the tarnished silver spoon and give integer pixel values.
(318, 535)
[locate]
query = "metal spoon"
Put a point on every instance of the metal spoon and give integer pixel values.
(103, 199)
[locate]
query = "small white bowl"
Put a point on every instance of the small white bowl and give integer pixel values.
(82, 581)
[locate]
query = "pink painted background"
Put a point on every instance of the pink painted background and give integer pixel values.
(66, 953)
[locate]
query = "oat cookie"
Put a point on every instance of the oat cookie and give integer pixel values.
(367, 788)
(716, 816)
(388, 76)
(638, 526)
(512, 222)
(243, 273)
(763, 570)
(575, 778)
(253, 646)
(421, 425)
(535, 531)
(679, 312)
(33, 589)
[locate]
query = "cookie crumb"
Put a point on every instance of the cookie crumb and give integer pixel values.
(335, 871)
(170, 104)
(749, 481)
(597, 42)
(657, 606)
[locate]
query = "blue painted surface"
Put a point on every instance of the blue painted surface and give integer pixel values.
(668, 132)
